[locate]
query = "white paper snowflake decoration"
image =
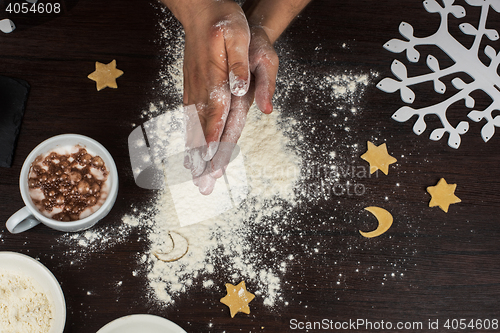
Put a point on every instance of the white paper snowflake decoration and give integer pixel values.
(484, 77)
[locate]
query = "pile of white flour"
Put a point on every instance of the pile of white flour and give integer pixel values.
(224, 246)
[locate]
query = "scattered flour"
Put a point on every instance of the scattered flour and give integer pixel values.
(98, 239)
(24, 307)
(243, 243)
(223, 245)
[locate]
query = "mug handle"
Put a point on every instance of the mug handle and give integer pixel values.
(21, 221)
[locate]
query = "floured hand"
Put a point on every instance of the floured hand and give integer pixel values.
(220, 53)
(264, 67)
(215, 65)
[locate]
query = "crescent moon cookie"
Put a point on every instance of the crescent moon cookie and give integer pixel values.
(378, 157)
(237, 298)
(105, 75)
(384, 219)
(443, 195)
(178, 248)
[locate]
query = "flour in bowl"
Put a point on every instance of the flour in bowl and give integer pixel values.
(24, 306)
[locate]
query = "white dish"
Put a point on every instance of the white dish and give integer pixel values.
(144, 323)
(22, 264)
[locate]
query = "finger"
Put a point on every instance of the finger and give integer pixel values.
(265, 83)
(195, 141)
(237, 42)
(239, 70)
(221, 159)
(206, 86)
(232, 132)
(213, 119)
(206, 183)
(187, 161)
(197, 164)
(264, 64)
(196, 180)
(194, 101)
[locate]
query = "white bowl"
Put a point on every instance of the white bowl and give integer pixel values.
(144, 323)
(22, 264)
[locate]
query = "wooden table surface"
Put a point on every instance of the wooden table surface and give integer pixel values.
(429, 266)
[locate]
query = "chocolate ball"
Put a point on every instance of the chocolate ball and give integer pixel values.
(95, 188)
(91, 201)
(85, 159)
(97, 162)
(64, 218)
(75, 177)
(83, 187)
(60, 200)
(33, 183)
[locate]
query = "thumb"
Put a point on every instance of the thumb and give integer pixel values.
(264, 65)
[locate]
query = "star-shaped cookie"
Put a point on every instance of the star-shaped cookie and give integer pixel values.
(378, 157)
(105, 75)
(443, 195)
(237, 298)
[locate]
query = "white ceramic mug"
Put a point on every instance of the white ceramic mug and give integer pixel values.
(29, 216)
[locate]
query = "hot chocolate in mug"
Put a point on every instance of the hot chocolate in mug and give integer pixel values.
(68, 182)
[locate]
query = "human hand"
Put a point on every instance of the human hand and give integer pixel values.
(215, 66)
(264, 63)
(218, 54)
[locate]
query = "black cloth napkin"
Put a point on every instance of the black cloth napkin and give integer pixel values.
(13, 97)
